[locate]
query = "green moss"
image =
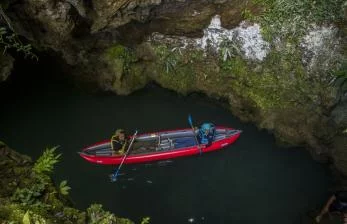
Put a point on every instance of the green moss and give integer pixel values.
(97, 215)
(11, 212)
(292, 18)
(277, 82)
(116, 51)
(236, 66)
(31, 217)
(247, 14)
(197, 55)
(120, 52)
(137, 79)
(74, 215)
(341, 80)
(18, 170)
(176, 68)
(121, 57)
(167, 58)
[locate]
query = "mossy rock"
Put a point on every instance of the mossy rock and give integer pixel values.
(96, 215)
(11, 212)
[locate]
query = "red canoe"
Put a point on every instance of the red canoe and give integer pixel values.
(159, 146)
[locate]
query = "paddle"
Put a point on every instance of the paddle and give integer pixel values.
(114, 176)
(191, 125)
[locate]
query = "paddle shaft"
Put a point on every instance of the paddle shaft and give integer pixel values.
(196, 139)
(126, 154)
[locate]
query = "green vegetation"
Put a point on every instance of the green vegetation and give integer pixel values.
(179, 68)
(341, 81)
(266, 90)
(98, 216)
(34, 188)
(280, 81)
(64, 188)
(282, 18)
(247, 14)
(127, 73)
(122, 56)
(28, 195)
(145, 220)
(10, 40)
(46, 162)
(168, 58)
(32, 218)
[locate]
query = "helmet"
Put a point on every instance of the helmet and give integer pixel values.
(207, 127)
(119, 131)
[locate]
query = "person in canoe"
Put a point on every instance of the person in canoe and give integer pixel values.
(336, 203)
(206, 134)
(118, 142)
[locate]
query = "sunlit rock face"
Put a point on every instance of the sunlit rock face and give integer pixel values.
(321, 49)
(246, 38)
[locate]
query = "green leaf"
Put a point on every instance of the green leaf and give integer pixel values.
(145, 220)
(63, 188)
(3, 31)
(26, 218)
(45, 164)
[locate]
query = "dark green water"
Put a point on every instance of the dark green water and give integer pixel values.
(252, 181)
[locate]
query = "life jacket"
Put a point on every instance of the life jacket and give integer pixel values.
(208, 128)
(115, 140)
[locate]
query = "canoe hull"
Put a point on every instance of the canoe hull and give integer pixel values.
(159, 155)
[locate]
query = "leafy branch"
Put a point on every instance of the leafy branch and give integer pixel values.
(46, 162)
(10, 40)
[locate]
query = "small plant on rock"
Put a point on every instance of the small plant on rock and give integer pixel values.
(64, 188)
(45, 164)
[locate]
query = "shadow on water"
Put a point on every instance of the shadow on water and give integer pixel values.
(252, 181)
